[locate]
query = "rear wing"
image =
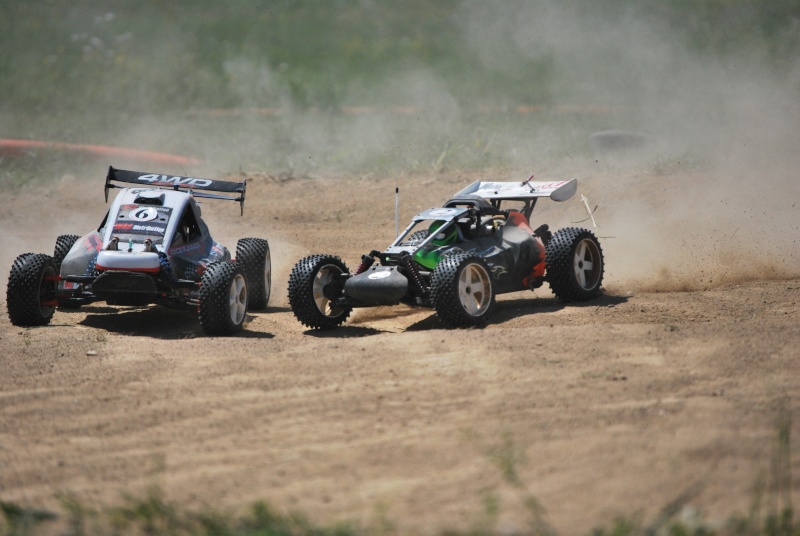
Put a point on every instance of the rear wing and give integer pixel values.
(522, 191)
(198, 187)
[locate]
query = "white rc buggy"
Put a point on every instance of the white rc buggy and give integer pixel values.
(152, 247)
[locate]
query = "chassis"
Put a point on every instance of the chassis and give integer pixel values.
(152, 247)
(478, 249)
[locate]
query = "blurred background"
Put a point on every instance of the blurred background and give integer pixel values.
(332, 87)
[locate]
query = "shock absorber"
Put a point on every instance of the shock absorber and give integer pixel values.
(90, 267)
(366, 262)
(166, 268)
(413, 274)
(543, 232)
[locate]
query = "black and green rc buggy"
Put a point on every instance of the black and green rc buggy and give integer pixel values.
(456, 259)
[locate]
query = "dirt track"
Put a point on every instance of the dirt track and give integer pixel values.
(613, 407)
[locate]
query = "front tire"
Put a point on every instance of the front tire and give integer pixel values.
(223, 299)
(575, 264)
(313, 283)
(30, 295)
(461, 290)
(254, 257)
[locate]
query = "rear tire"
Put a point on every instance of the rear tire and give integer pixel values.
(575, 265)
(461, 290)
(223, 299)
(31, 291)
(312, 284)
(417, 237)
(253, 255)
(64, 243)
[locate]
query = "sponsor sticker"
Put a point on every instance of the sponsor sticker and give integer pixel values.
(498, 271)
(166, 180)
(182, 250)
(383, 274)
(142, 220)
(146, 229)
(144, 214)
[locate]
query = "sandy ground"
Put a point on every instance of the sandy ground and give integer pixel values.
(671, 387)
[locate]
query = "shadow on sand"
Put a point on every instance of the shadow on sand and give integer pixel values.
(156, 322)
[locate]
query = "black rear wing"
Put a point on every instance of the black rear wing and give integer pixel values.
(198, 187)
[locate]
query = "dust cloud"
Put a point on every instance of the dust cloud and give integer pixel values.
(711, 198)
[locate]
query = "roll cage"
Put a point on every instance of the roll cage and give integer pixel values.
(479, 206)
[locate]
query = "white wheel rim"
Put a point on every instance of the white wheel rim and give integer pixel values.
(267, 273)
(587, 264)
(474, 289)
(324, 276)
(237, 299)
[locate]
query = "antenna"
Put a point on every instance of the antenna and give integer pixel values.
(590, 212)
(527, 181)
(585, 201)
(396, 211)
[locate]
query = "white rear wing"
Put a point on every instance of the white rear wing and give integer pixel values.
(526, 190)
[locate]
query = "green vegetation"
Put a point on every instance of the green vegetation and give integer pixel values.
(154, 515)
(345, 86)
(153, 56)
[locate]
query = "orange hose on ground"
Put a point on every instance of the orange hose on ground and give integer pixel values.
(15, 147)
